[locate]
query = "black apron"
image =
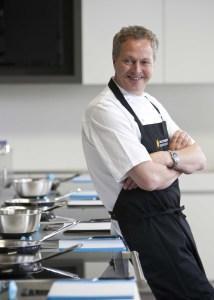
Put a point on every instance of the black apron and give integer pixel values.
(153, 224)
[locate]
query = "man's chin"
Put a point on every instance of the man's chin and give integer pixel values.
(136, 90)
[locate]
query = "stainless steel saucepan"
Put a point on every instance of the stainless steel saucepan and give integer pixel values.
(32, 202)
(16, 221)
(32, 187)
(16, 246)
(28, 264)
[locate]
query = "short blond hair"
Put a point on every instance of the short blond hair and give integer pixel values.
(133, 32)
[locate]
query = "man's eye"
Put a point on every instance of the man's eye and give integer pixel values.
(128, 61)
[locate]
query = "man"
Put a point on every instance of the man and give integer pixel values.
(135, 154)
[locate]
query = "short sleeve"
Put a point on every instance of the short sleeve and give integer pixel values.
(116, 140)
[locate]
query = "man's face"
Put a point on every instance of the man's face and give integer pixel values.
(134, 65)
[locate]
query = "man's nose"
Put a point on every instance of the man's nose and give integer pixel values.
(137, 67)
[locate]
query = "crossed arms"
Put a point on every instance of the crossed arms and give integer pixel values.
(157, 174)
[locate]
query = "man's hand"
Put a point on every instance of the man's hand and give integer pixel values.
(129, 184)
(179, 140)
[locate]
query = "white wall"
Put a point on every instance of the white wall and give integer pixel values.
(42, 121)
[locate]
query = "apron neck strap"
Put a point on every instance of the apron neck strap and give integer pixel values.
(118, 94)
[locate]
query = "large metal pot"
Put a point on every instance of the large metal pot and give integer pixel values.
(32, 187)
(17, 220)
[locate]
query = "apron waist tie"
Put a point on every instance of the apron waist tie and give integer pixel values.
(168, 211)
(177, 210)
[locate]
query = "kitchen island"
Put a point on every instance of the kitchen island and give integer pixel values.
(101, 256)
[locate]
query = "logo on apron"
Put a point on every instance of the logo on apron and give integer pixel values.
(161, 143)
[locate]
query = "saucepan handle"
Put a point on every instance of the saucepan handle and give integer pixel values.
(61, 229)
(79, 245)
(60, 272)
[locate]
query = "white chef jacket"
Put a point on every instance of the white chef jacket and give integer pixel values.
(112, 140)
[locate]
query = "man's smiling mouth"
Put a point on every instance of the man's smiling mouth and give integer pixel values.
(135, 78)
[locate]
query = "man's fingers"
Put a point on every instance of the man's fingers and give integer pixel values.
(179, 140)
(129, 184)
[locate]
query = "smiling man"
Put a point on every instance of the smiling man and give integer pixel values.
(133, 65)
(135, 154)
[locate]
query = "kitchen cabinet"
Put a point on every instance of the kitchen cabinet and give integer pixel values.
(184, 29)
(188, 41)
(199, 209)
(197, 195)
(101, 19)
